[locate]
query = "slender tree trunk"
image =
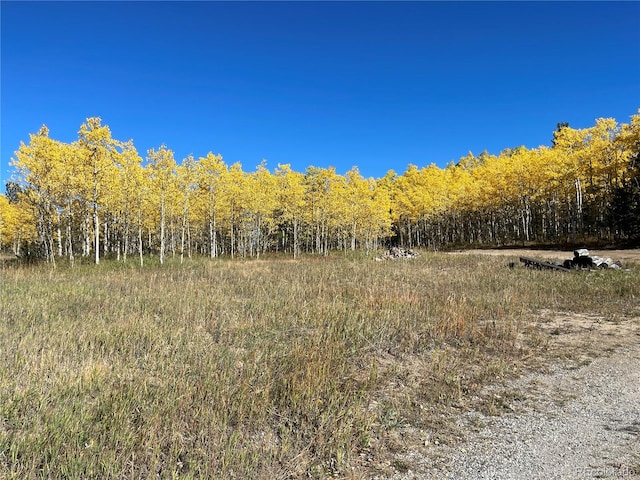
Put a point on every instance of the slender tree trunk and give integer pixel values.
(59, 234)
(577, 223)
(295, 239)
(162, 220)
(50, 250)
(189, 238)
(140, 247)
(125, 248)
(105, 240)
(69, 244)
(96, 230)
(353, 237)
(182, 237)
(86, 237)
(96, 222)
(233, 237)
(173, 238)
(259, 237)
(17, 244)
(212, 237)
(69, 239)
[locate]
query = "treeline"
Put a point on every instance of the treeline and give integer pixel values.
(98, 197)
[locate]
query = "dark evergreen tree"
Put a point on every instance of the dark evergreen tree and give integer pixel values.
(559, 127)
(624, 212)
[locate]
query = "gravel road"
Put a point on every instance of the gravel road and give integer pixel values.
(569, 424)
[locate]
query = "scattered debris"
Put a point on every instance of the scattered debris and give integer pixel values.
(539, 265)
(581, 260)
(397, 252)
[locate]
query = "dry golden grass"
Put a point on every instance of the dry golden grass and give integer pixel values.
(264, 369)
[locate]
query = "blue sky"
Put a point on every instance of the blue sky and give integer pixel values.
(378, 85)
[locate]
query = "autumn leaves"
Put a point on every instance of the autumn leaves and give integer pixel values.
(97, 196)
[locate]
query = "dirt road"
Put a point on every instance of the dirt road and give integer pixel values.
(572, 425)
(578, 421)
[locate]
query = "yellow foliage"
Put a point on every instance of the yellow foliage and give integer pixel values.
(70, 188)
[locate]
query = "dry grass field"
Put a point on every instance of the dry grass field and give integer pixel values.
(275, 368)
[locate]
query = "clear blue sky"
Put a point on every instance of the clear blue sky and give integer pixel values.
(378, 85)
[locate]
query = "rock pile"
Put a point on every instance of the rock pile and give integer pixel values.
(397, 252)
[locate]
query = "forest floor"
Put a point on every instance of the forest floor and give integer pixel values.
(576, 418)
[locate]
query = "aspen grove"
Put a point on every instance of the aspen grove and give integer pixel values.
(98, 197)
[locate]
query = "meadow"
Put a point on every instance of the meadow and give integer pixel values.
(270, 368)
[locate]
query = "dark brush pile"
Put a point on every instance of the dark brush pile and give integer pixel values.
(582, 259)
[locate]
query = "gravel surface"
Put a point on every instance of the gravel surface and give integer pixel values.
(581, 423)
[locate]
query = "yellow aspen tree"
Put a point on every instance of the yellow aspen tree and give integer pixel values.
(322, 199)
(187, 183)
(529, 175)
(629, 139)
(417, 201)
(458, 183)
(362, 209)
(234, 195)
(338, 223)
(475, 200)
(315, 214)
(289, 186)
(8, 221)
(17, 223)
(608, 160)
(61, 178)
(385, 190)
(148, 217)
(570, 144)
(262, 198)
(492, 205)
(114, 209)
(505, 179)
(552, 189)
(143, 183)
(210, 171)
(466, 200)
(98, 152)
(355, 199)
(375, 215)
(542, 193)
(71, 200)
(436, 182)
(247, 233)
(129, 196)
(624, 215)
(382, 204)
(407, 203)
(162, 167)
(601, 166)
(38, 164)
(175, 202)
